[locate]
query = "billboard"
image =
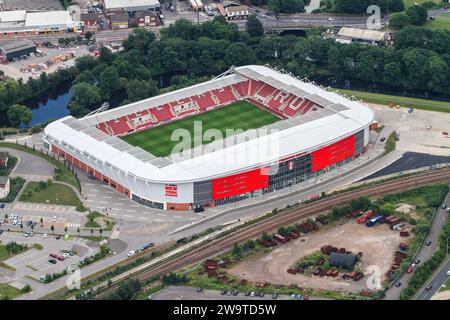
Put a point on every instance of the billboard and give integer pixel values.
(333, 153)
(240, 183)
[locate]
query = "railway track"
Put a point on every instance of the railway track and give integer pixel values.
(287, 217)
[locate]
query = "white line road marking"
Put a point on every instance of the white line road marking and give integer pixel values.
(131, 210)
(127, 215)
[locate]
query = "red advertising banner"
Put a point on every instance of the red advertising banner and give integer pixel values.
(240, 183)
(333, 153)
(171, 190)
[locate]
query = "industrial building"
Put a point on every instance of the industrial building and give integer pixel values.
(130, 6)
(356, 35)
(22, 23)
(16, 48)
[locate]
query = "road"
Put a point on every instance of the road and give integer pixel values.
(425, 252)
(217, 246)
(438, 280)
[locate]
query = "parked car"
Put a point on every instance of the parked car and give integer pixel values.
(417, 261)
(14, 222)
(1, 231)
(223, 292)
(131, 253)
(2, 206)
(199, 289)
(383, 139)
(52, 261)
(410, 269)
(44, 236)
(444, 206)
(66, 255)
(398, 284)
(428, 243)
(60, 258)
(53, 255)
(57, 237)
(428, 288)
(275, 295)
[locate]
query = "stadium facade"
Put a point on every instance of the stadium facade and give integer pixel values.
(319, 130)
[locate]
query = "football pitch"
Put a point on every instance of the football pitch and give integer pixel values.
(241, 115)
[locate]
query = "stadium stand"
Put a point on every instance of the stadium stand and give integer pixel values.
(225, 95)
(119, 126)
(162, 113)
(204, 101)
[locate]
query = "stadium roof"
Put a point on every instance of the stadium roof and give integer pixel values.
(339, 118)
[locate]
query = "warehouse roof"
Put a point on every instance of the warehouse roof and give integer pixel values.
(12, 16)
(36, 19)
(16, 45)
(362, 34)
(118, 4)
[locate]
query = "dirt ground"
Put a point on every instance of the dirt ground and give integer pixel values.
(378, 245)
(414, 135)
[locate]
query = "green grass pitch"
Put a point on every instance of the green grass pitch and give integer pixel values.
(241, 115)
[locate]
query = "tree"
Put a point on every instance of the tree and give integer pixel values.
(399, 20)
(418, 14)
(88, 35)
(18, 114)
(286, 6)
(254, 26)
(239, 54)
(237, 250)
(141, 89)
(140, 39)
(109, 82)
(84, 97)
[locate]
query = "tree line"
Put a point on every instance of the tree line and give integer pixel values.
(187, 53)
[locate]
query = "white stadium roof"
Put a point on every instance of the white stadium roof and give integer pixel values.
(340, 117)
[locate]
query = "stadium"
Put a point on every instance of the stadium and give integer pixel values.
(306, 130)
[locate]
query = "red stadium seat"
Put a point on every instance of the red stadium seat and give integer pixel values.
(162, 113)
(119, 126)
(225, 95)
(204, 100)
